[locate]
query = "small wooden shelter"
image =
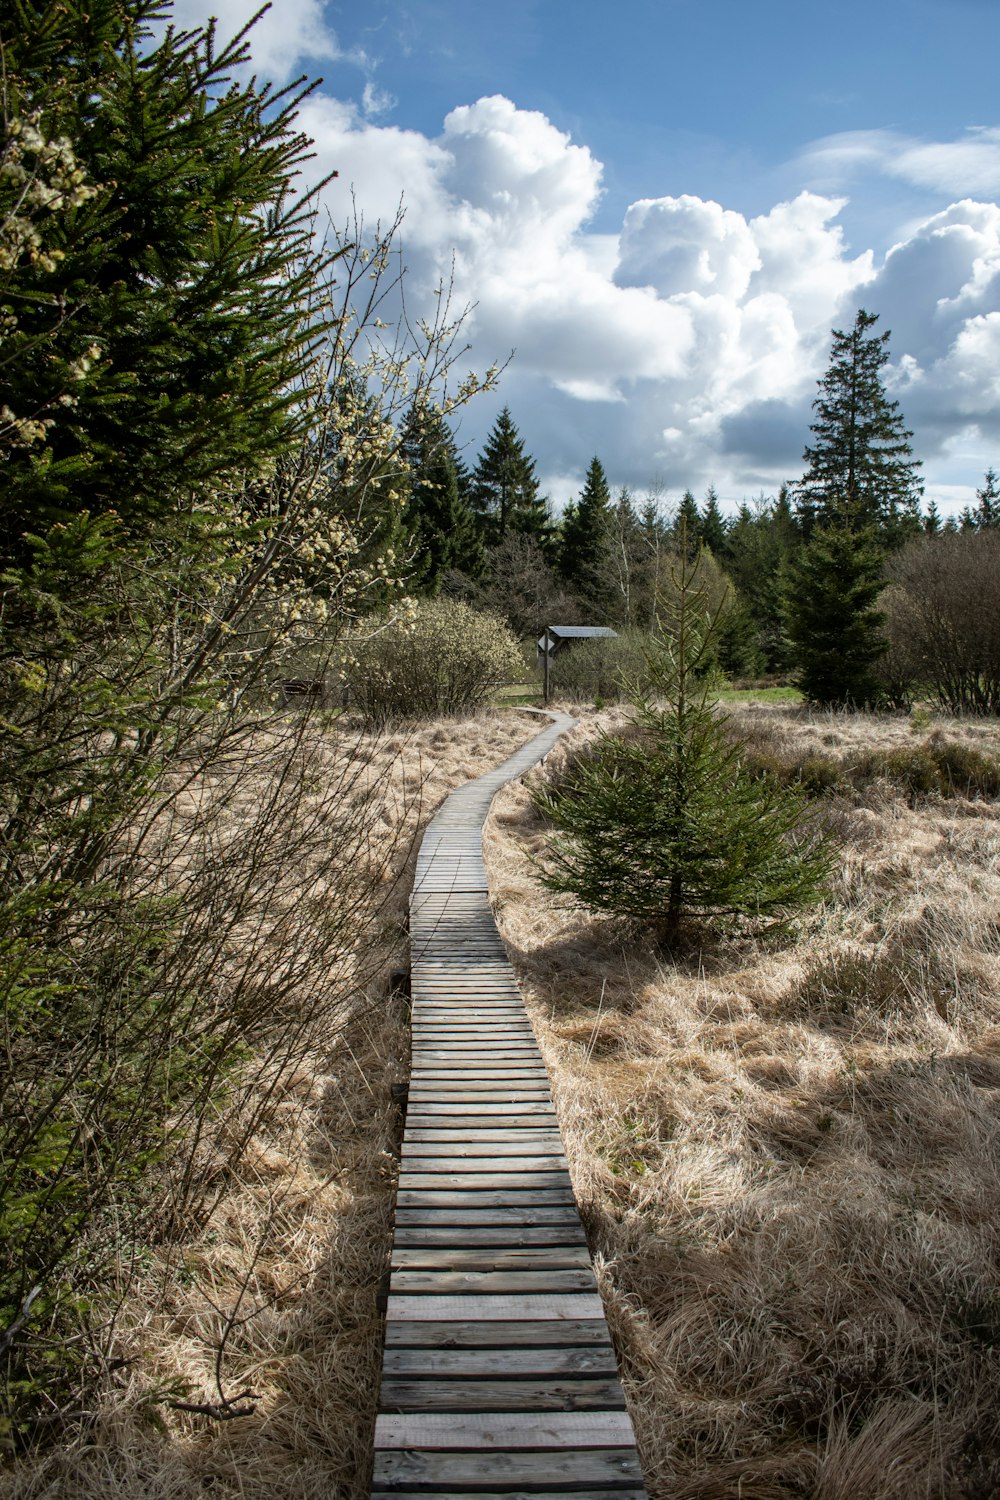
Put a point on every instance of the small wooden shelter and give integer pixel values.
(557, 638)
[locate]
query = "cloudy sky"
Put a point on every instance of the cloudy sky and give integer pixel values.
(663, 209)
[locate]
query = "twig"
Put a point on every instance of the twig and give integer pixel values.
(226, 1410)
(10, 1333)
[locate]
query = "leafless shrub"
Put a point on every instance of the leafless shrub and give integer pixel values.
(943, 632)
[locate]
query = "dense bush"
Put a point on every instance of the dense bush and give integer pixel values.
(442, 659)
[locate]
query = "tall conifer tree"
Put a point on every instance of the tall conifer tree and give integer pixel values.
(583, 559)
(160, 337)
(861, 470)
(688, 524)
(712, 524)
(505, 490)
(441, 526)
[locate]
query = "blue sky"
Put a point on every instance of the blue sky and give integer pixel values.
(664, 208)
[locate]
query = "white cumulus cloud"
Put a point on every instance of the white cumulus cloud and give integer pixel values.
(688, 344)
(292, 35)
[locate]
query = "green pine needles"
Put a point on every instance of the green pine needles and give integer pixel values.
(672, 825)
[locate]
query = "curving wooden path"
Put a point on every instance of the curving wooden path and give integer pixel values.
(499, 1378)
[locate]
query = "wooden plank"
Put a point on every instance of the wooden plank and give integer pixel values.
(522, 1364)
(498, 1333)
(450, 1470)
(510, 1307)
(509, 1215)
(470, 1075)
(491, 1258)
(439, 1395)
(502, 1431)
(457, 1237)
(476, 1112)
(490, 1283)
(590, 1493)
(481, 1143)
(461, 1094)
(432, 1055)
(576, 1493)
(485, 1182)
(505, 1197)
(436, 1160)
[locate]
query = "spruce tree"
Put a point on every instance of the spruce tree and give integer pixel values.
(687, 523)
(861, 471)
(932, 520)
(583, 562)
(671, 824)
(441, 527)
(157, 340)
(833, 617)
(712, 524)
(505, 490)
(760, 543)
(987, 512)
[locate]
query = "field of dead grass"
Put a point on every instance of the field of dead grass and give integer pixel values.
(276, 1293)
(788, 1156)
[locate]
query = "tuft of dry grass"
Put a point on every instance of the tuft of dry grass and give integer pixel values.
(275, 1290)
(788, 1157)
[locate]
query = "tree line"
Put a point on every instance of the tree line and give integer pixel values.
(809, 570)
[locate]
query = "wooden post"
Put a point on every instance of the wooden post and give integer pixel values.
(545, 666)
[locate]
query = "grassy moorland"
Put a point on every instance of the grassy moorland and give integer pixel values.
(274, 1290)
(786, 1154)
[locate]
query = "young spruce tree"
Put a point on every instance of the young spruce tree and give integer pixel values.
(672, 824)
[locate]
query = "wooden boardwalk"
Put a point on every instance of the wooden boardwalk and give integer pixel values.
(499, 1378)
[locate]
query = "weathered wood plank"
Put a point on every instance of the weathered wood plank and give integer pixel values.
(502, 1431)
(498, 1333)
(482, 1364)
(444, 1159)
(481, 1110)
(491, 1283)
(456, 1239)
(510, 1307)
(427, 1146)
(576, 1493)
(496, 1258)
(506, 1197)
(450, 1470)
(483, 1214)
(553, 1394)
(515, 1182)
(481, 1135)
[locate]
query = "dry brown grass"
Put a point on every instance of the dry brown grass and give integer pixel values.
(789, 1158)
(283, 1276)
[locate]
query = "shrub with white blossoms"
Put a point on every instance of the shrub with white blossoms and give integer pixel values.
(444, 658)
